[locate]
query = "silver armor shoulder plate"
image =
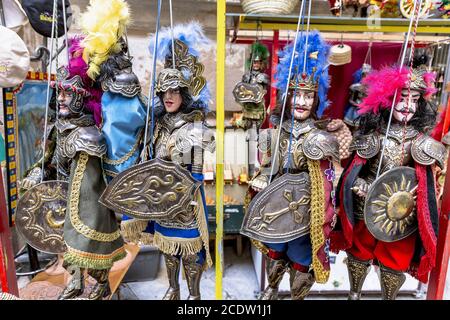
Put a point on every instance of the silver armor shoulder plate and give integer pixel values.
(320, 145)
(87, 139)
(262, 78)
(425, 150)
(366, 146)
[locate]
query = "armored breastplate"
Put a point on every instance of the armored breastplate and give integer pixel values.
(398, 147)
(179, 136)
(75, 135)
(298, 159)
(308, 142)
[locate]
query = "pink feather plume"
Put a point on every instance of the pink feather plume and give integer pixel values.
(381, 86)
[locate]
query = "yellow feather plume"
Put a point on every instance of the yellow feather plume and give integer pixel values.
(104, 23)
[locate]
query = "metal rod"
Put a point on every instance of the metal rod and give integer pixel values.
(171, 31)
(402, 62)
(49, 73)
(152, 86)
(286, 91)
(65, 30)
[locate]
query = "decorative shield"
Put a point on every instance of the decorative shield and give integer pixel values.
(151, 190)
(40, 216)
(281, 212)
(248, 93)
(390, 212)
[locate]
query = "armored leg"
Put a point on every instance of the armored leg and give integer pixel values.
(275, 271)
(193, 272)
(391, 282)
(357, 273)
(101, 289)
(173, 273)
(301, 283)
(75, 287)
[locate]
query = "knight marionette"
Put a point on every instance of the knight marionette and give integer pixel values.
(250, 92)
(168, 188)
(289, 218)
(388, 211)
(123, 106)
(75, 148)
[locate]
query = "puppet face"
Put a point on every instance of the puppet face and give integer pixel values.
(303, 102)
(172, 100)
(257, 65)
(65, 99)
(407, 106)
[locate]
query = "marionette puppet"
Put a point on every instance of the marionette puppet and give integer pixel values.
(250, 92)
(167, 190)
(91, 239)
(289, 218)
(356, 94)
(388, 213)
(123, 106)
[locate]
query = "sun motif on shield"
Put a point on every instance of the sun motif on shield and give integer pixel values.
(396, 206)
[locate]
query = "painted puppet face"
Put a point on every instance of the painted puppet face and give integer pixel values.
(257, 65)
(172, 100)
(64, 100)
(303, 102)
(405, 110)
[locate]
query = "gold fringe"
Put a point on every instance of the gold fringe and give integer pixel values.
(132, 231)
(260, 246)
(74, 201)
(317, 219)
(175, 246)
(146, 238)
(203, 227)
(93, 261)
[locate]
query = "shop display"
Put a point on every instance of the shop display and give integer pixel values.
(329, 186)
(178, 211)
(388, 210)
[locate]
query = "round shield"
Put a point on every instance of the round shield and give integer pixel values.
(155, 189)
(40, 216)
(248, 93)
(281, 212)
(390, 212)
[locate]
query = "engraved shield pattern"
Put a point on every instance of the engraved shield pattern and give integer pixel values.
(151, 190)
(281, 212)
(40, 216)
(390, 208)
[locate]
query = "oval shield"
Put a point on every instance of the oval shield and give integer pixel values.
(390, 208)
(281, 212)
(248, 93)
(151, 190)
(40, 216)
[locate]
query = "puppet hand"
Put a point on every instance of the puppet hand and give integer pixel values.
(259, 183)
(361, 187)
(31, 180)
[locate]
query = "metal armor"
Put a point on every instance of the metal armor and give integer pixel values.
(281, 211)
(404, 147)
(41, 211)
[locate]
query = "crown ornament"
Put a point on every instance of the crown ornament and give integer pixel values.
(305, 82)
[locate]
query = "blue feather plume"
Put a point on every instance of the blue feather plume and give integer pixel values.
(315, 44)
(193, 36)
